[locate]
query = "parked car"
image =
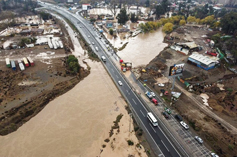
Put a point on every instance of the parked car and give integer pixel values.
(164, 92)
(166, 115)
(161, 85)
(154, 101)
(184, 125)
(214, 155)
(198, 139)
(178, 117)
(148, 94)
(153, 94)
(167, 110)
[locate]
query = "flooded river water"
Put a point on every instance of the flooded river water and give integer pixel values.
(143, 48)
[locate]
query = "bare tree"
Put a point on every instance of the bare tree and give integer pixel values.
(113, 7)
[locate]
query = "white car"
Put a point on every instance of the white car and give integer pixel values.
(93, 43)
(198, 139)
(120, 83)
(88, 36)
(184, 125)
(153, 94)
(214, 155)
(161, 85)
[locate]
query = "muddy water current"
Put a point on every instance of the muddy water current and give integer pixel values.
(143, 48)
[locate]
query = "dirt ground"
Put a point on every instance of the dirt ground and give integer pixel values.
(223, 102)
(25, 93)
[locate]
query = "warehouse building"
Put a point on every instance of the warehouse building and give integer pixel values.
(204, 62)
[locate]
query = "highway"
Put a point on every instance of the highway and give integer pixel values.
(159, 139)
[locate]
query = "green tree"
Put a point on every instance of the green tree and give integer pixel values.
(73, 64)
(147, 3)
(164, 21)
(133, 18)
(168, 27)
(122, 16)
(159, 11)
(92, 20)
(111, 31)
(229, 23)
(182, 22)
(209, 19)
(165, 4)
(191, 19)
(45, 16)
(74, 67)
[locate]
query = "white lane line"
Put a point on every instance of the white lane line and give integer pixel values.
(148, 132)
(128, 92)
(151, 127)
(168, 139)
(142, 113)
(165, 145)
(134, 102)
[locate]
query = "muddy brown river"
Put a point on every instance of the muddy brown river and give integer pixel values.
(143, 48)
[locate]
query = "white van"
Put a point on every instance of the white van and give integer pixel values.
(103, 58)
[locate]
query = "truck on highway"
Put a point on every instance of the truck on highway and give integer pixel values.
(152, 119)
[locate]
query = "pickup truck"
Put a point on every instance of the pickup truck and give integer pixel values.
(148, 94)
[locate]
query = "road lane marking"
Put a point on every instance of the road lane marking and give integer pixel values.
(167, 138)
(142, 113)
(134, 102)
(165, 145)
(151, 127)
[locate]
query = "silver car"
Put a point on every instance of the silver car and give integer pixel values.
(120, 83)
(214, 155)
(153, 94)
(198, 139)
(184, 125)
